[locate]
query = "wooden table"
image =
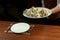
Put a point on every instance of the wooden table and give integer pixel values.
(38, 32)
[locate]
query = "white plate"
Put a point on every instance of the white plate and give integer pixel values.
(49, 12)
(20, 27)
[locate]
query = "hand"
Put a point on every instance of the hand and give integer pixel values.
(55, 13)
(56, 9)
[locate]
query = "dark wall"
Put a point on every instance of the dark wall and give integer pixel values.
(8, 10)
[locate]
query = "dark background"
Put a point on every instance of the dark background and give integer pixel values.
(12, 10)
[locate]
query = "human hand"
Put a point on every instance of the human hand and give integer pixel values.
(55, 13)
(55, 9)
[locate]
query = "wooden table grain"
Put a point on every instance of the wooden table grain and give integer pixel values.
(45, 32)
(38, 32)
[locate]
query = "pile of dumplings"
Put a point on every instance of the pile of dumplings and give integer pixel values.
(36, 12)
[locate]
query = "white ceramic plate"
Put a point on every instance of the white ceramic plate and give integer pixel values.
(20, 27)
(48, 10)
